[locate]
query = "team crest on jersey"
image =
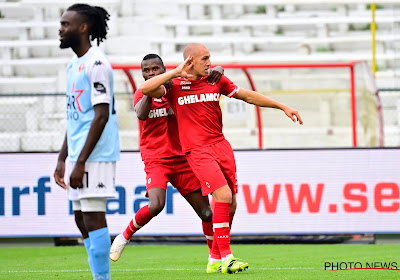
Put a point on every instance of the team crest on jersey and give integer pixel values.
(81, 67)
(100, 87)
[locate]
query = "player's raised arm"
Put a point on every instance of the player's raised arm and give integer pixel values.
(143, 107)
(153, 87)
(253, 97)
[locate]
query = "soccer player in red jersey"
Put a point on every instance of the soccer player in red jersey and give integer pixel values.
(197, 109)
(163, 159)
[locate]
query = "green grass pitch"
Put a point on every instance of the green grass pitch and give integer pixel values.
(189, 262)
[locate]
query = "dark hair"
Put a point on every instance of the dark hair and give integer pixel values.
(97, 18)
(152, 56)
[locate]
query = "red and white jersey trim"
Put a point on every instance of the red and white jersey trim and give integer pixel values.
(234, 92)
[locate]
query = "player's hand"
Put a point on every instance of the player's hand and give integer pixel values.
(59, 174)
(214, 74)
(293, 114)
(168, 85)
(76, 179)
(182, 69)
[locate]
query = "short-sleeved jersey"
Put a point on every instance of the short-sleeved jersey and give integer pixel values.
(159, 137)
(196, 106)
(90, 82)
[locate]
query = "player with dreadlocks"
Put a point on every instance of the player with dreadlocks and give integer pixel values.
(95, 19)
(91, 142)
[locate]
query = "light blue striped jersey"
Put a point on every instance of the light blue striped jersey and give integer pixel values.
(90, 81)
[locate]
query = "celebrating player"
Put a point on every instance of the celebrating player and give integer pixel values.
(164, 161)
(209, 154)
(91, 142)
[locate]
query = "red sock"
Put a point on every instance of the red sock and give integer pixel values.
(215, 250)
(222, 232)
(231, 215)
(209, 233)
(142, 217)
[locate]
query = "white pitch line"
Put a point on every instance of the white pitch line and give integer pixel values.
(44, 271)
(287, 268)
(147, 269)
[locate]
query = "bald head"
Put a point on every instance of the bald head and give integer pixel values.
(200, 60)
(193, 49)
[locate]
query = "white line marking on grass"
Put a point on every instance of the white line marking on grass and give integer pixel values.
(147, 269)
(286, 268)
(44, 271)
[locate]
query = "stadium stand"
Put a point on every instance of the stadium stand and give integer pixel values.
(253, 31)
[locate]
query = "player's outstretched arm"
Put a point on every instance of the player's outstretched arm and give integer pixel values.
(60, 168)
(153, 87)
(253, 97)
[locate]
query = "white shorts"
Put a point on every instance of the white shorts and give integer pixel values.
(98, 181)
(93, 204)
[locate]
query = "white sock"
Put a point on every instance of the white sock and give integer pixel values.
(226, 257)
(211, 260)
(122, 236)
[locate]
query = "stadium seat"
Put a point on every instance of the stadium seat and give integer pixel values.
(27, 29)
(307, 137)
(129, 140)
(254, 21)
(37, 141)
(10, 142)
(18, 114)
(28, 85)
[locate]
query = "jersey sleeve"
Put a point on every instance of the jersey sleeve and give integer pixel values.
(99, 74)
(138, 96)
(165, 91)
(228, 88)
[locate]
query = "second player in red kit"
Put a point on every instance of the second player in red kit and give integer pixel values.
(163, 159)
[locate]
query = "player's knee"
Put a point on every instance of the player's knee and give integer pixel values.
(223, 197)
(206, 214)
(155, 207)
(233, 206)
(223, 194)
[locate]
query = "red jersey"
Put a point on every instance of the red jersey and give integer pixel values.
(196, 106)
(159, 137)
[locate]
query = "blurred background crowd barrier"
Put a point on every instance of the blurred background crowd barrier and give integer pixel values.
(341, 106)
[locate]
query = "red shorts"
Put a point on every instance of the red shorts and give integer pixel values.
(175, 170)
(215, 166)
